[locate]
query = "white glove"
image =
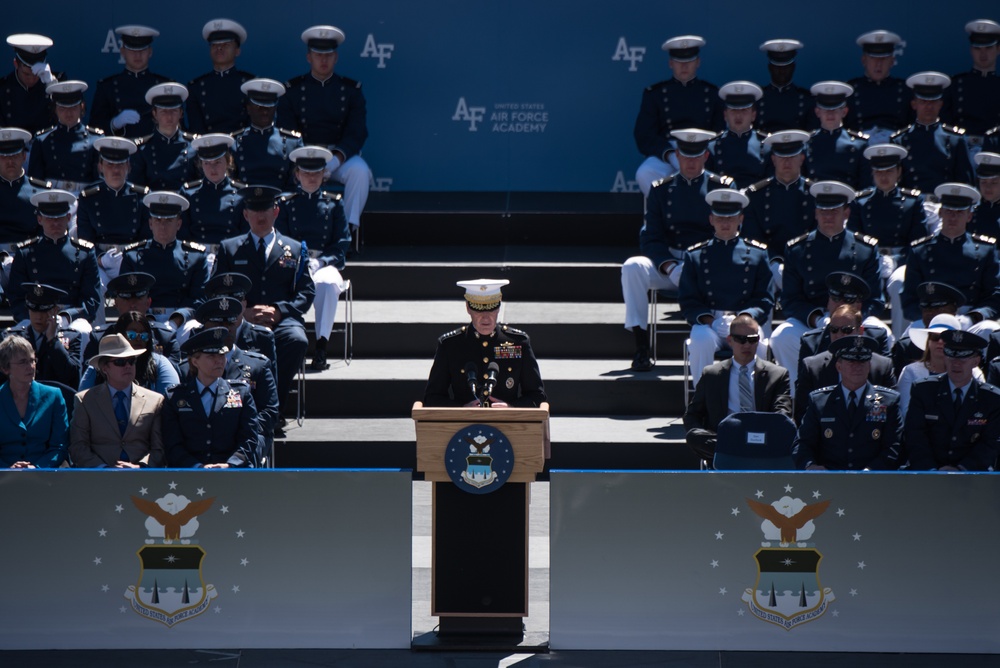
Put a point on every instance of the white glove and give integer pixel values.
(822, 321)
(332, 166)
(314, 265)
(888, 266)
(112, 260)
(965, 322)
(127, 117)
(43, 72)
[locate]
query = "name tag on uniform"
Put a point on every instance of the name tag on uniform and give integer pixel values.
(830, 419)
(930, 417)
(756, 438)
(241, 262)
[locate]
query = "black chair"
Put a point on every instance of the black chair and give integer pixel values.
(68, 394)
(755, 441)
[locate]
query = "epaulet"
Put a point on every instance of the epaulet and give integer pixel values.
(91, 191)
(867, 192)
(882, 388)
(797, 240)
(287, 197)
(912, 192)
(513, 331)
(755, 243)
(132, 246)
(94, 131)
(982, 238)
(654, 86)
(808, 182)
(452, 334)
(294, 134)
(139, 190)
(823, 389)
(82, 243)
(990, 388)
(992, 131)
(193, 246)
(139, 141)
(253, 354)
(920, 241)
(237, 133)
(721, 179)
(865, 239)
(330, 195)
(45, 131)
(855, 134)
(39, 183)
(239, 185)
(900, 132)
(189, 136)
(664, 180)
(953, 129)
(700, 244)
(188, 185)
(759, 185)
(238, 382)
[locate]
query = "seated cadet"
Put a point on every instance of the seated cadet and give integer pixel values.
(208, 421)
(23, 90)
(935, 299)
(784, 104)
(881, 103)
(215, 212)
(153, 370)
(56, 259)
(62, 154)
(282, 290)
(214, 104)
(130, 292)
(932, 359)
(845, 289)
(58, 350)
(724, 277)
(739, 150)
(317, 218)
(986, 220)
(676, 218)
(120, 107)
(780, 206)
(484, 363)
(250, 367)
(819, 370)
(953, 422)
(809, 259)
(756, 385)
(117, 424)
(261, 150)
(33, 423)
(17, 213)
(853, 425)
(973, 102)
(180, 267)
(165, 159)
(936, 152)
(834, 153)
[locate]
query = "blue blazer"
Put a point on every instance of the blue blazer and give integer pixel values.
(42, 436)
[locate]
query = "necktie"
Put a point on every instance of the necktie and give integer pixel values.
(746, 394)
(121, 415)
(207, 400)
(958, 399)
(852, 406)
(262, 252)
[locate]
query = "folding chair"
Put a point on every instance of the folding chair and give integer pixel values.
(755, 441)
(347, 328)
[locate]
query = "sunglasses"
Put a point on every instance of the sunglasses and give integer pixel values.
(745, 338)
(123, 361)
(132, 336)
(846, 329)
(933, 336)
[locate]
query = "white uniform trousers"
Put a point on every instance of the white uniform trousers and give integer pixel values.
(639, 276)
(329, 285)
(356, 178)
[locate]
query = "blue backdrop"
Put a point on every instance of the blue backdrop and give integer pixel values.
(518, 95)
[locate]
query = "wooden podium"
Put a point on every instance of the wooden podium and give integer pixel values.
(479, 568)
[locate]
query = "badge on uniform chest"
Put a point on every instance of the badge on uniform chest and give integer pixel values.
(233, 399)
(878, 411)
(507, 351)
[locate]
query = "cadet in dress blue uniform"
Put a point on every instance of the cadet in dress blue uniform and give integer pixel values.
(467, 354)
(282, 289)
(261, 149)
(63, 154)
(208, 421)
(17, 214)
(881, 102)
(953, 421)
(784, 105)
(676, 218)
(678, 103)
(216, 211)
(329, 110)
(835, 153)
(809, 259)
(317, 218)
(57, 260)
(119, 106)
(165, 159)
(973, 102)
(180, 267)
(23, 102)
(780, 207)
(937, 153)
(986, 219)
(215, 104)
(739, 151)
(854, 425)
(724, 277)
(58, 350)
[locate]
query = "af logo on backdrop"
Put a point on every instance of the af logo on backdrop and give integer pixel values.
(505, 117)
(630, 54)
(382, 52)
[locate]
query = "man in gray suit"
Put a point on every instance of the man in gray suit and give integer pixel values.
(724, 389)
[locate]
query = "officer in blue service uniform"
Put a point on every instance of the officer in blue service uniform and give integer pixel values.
(739, 151)
(784, 104)
(261, 150)
(953, 421)
(215, 104)
(835, 153)
(180, 267)
(723, 277)
(683, 101)
(937, 152)
(986, 218)
(63, 154)
(329, 110)
(58, 350)
(854, 425)
(881, 102)
(23, 102)
(676, 218)
(845, 289)
(973, 102)
(119, 106)
(165, 159)
(208, 421)
(216, 211)
(317, 218)
(461, 374)
(282, 289)
(810, 258)
(17, 214)
(57, 260)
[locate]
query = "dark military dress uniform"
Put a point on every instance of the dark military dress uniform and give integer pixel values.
(778, 213)
(26, 108)
(831, 436)
(215, 102)
(973, 101)
(227, 434)
(728, 276)
(742, 157)
(164, 163)
(677, 215)
(519, 382)
(986, 219)
(18, 220)
(820, 370)
(215, 211)
(108, 216)
(125, 90)
(884, 104)
(671, 105)
(67, 264)
(896, 218)
(65, 154)
(969, 263)
(180, 268)
(787, 107)
(838, 155)
(329, 113)
(937, 435)
(60, 359)
(936, 154)
(261, 156)
(318, 220)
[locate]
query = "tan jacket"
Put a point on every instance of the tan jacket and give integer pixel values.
(95, 438)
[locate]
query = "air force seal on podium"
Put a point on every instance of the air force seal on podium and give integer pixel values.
(479, 459)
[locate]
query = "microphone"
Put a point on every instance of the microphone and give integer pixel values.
(470, 379)
(491, 378)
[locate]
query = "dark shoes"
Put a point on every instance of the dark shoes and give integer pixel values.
(319, 362)
(642, 360)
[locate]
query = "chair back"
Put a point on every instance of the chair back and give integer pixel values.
(755, 441)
